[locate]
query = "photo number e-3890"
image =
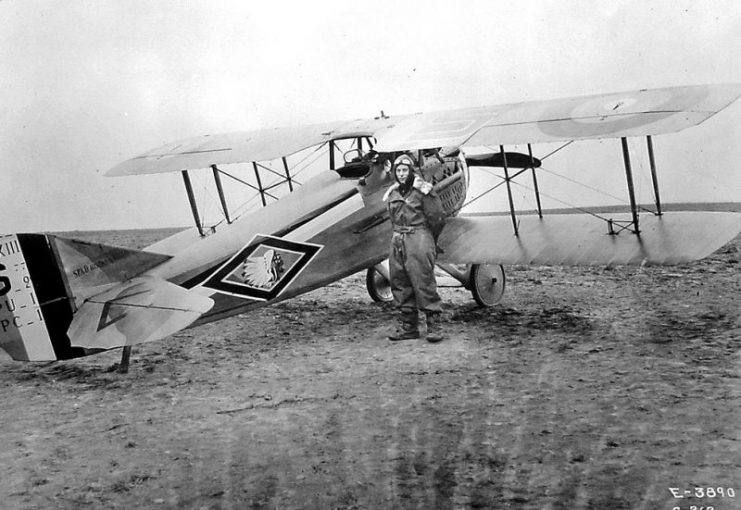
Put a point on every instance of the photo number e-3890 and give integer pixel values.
(715, 493)
(703, 492)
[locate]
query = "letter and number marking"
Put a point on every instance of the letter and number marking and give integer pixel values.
(4, 282)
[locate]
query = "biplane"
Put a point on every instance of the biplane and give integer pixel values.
(62, 298)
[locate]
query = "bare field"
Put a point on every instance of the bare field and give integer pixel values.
(587, 388)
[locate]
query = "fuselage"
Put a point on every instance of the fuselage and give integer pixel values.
(334, 225)
(345, 219)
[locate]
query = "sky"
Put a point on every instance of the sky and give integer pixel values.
(87, 84)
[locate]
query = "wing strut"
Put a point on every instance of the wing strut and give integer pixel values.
(507, 179)
(288, 174)
(222, 198)
(650, 144)
(259, 184)
(631, 192)
(490, 160)
(192, 200)
(535, 180)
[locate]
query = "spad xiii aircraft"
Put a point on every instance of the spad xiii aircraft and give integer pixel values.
(62, 298)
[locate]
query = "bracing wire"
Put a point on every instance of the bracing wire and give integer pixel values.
(487, 191)
(556, 174)
(596, 190)
(282, 176)
(308, 155)
(243, 207)
(562, 202)
(555, 151)
(305, 163)
(503, 179)
(316, 154)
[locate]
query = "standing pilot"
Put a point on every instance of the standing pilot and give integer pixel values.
(417, 216)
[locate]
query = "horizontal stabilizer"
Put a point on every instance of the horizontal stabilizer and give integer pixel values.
(43, 280)
(581, 239)
(141, 310)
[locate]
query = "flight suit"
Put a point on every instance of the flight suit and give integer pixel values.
(417, 219)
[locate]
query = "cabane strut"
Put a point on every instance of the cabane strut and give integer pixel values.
(192, 200)
(222, 198)
(286, 177)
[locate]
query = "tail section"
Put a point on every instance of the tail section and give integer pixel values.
(43, 281)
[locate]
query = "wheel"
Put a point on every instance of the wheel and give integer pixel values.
(378, 286)
(487, 283)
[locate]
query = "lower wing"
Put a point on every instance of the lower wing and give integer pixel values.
(582, 239)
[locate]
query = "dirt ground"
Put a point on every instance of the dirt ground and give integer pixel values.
(587, 388)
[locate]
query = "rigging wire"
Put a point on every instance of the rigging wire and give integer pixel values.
(503, 179)
(316, 154)
(556, 174)
(596, 190)
(309, 154)
(487, 191)
(572, 206)
(555, 151)
(305, 163)
(567, 204)
(496, 149)
(239, 209)
(282, 176)
(207, 194)
(248, 205)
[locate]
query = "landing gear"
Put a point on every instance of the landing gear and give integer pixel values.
(485, 281)
(377, 283)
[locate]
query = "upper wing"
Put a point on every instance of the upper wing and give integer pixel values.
(581, 239)
(245, 146)
(637, 113)
(599, 116)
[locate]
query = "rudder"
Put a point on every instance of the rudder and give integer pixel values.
(43, 280)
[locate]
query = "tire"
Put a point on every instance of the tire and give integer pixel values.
(487, 282)
(378, 286)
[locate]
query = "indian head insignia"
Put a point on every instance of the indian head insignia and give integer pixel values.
(263, 268)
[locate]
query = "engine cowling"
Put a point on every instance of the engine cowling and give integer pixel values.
(448, 172)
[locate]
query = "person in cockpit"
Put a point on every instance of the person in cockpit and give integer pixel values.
(417, 216)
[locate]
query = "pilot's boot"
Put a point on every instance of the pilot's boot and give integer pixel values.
(434, 328)
(407, 328)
